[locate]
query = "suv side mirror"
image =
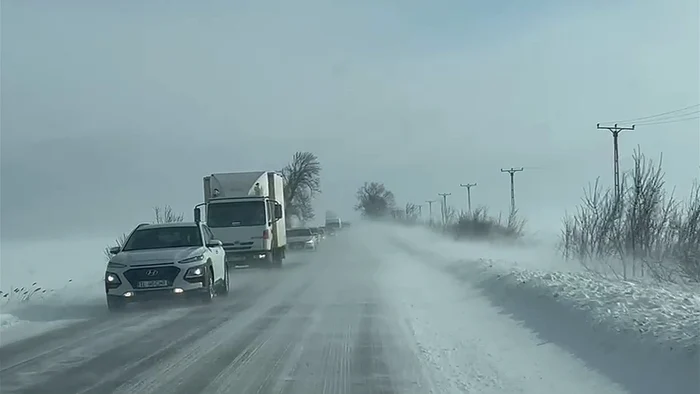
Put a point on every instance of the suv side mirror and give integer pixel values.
(278, 211)
(115, 249)
(214, 243)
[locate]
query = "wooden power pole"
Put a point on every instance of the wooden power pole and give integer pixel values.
(468, 186)
(615, 130)
(512, 172)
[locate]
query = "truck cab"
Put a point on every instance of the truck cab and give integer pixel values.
(246, 212)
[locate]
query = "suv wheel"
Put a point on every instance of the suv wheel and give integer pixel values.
(226, 285)
(209, 291)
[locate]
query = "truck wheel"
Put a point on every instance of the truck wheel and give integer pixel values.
(115, 304)
(277, 259)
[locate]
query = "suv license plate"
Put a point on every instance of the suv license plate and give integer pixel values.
(153, 283)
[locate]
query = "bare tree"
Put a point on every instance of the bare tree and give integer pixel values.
(374, 200)
(166, 214)
(163, 214)
(450, 215)
(411, 212)
(302, 182)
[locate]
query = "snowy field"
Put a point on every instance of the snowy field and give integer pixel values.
(49, 284)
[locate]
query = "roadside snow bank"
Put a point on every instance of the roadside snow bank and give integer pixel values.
(8, 320)
(664, 315)
(667, 315)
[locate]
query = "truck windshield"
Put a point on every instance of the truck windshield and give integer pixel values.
(164, 237)
(299, 232)
(236, 214)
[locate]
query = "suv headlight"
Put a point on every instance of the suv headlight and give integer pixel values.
(192, 259)
(112, 280)
(196, 272)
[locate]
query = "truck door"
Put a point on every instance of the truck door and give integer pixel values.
(271, 222)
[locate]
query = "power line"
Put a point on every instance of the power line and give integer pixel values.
(669, 121)
(615, 130)
(663, 115)
(512, 172)
(468, 186)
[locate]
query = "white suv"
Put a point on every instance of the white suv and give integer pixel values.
(172, 259)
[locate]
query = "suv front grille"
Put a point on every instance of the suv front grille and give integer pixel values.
(134, 276)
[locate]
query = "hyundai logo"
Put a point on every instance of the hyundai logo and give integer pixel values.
(151, 272)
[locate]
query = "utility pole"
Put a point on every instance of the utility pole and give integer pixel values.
(468, 186)
(430, 211)
(512, 172)
(444, 207)
(615, 130)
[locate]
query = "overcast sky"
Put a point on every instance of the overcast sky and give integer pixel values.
(112, 107)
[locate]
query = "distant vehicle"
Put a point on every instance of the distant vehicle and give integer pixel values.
(319, 233)
(173, 259)
(245, 210)
(301, 239)
(333, 222)
(334, 225)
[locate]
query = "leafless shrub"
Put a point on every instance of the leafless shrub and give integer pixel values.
(479, 224)
(117, 242)
(645, 232)
(451, 216)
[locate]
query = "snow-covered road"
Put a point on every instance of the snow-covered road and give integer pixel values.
(367, 313)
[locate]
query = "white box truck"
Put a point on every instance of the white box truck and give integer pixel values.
(333, 222)
(245, 211)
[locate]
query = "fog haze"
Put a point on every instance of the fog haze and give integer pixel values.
(109, 108)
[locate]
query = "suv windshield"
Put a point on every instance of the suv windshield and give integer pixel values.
(236, 214)
(164, 237)
(300, 232)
